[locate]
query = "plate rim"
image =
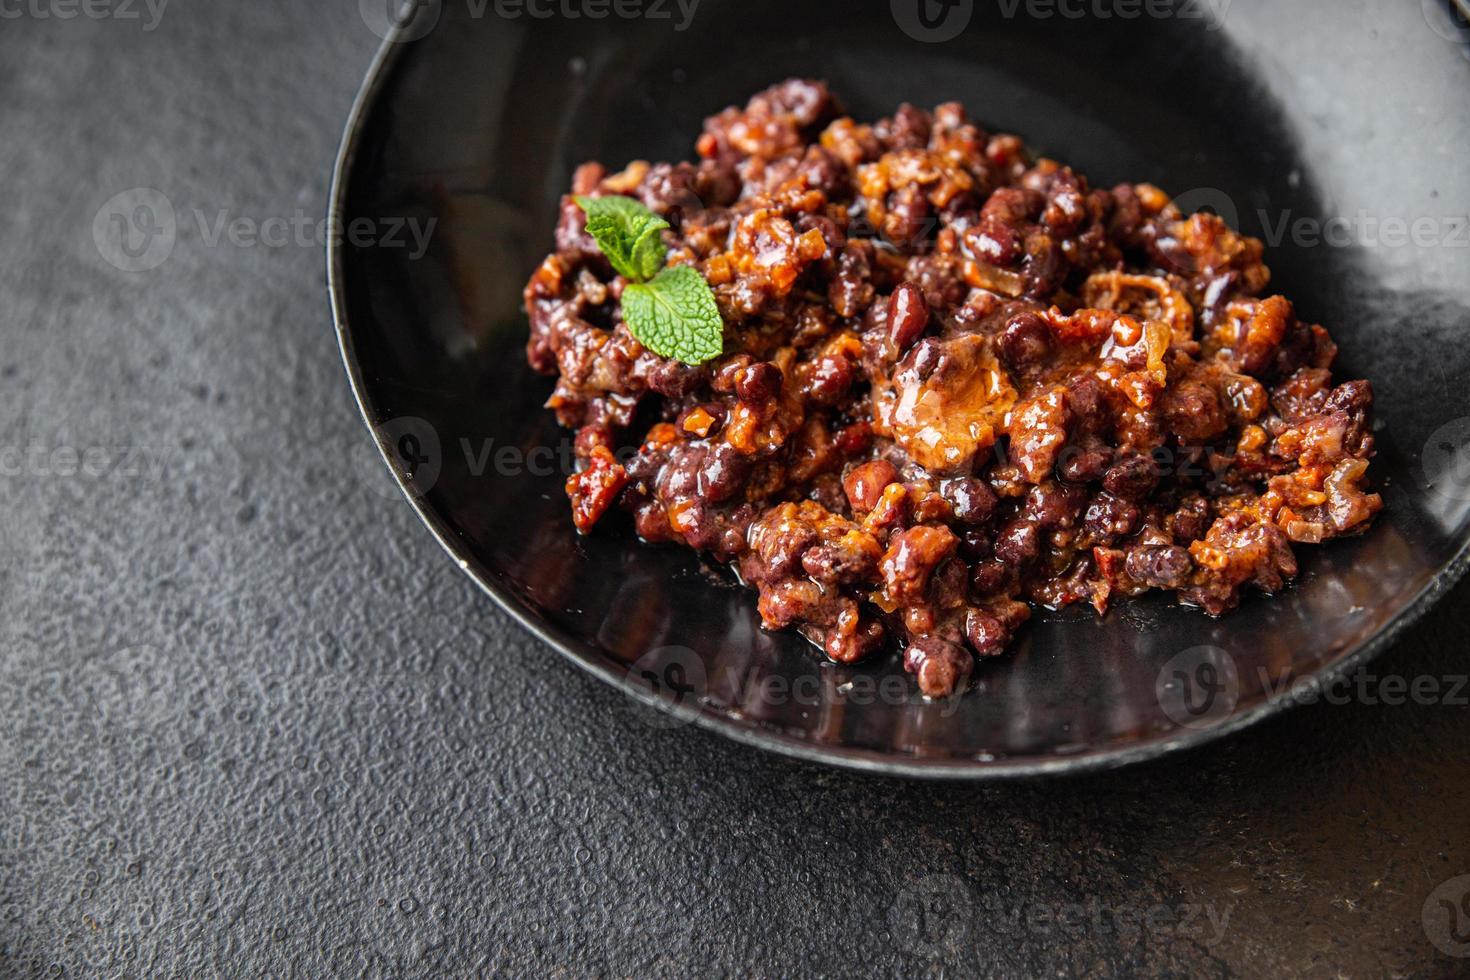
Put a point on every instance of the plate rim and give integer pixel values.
(853, 759)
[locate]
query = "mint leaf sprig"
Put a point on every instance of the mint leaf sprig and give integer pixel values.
(671, 311)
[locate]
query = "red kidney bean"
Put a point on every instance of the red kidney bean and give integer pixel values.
(908, 315)
(1025, 341)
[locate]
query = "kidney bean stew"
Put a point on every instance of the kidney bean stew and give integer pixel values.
(955, 381)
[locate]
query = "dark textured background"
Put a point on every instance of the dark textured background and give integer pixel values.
(252, 721)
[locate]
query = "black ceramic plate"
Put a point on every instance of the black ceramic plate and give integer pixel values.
(1340, 137)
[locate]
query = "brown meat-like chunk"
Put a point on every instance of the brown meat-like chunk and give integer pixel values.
(956, 381)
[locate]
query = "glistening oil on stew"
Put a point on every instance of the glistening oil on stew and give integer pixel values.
(956, 382)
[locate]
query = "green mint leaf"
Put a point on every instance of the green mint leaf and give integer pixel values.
(649, 250)
(675, 315)
(627, 233)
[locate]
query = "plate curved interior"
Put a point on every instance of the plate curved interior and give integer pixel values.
(1339, 140)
